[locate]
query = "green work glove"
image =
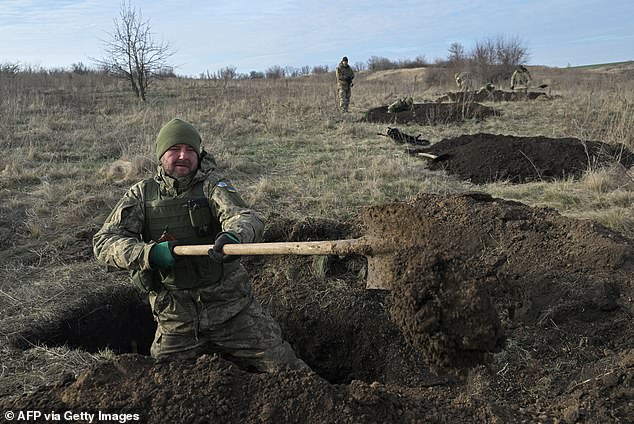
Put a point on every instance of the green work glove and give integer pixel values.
(216, 254)
(162, 254)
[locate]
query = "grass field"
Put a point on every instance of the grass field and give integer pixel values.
(72, 144)
(283, 142)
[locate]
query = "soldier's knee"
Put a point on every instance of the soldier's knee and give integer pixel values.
(277, 358)
(175, 347)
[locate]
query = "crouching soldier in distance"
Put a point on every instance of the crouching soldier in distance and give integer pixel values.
(486, 88)
(463, 81)
(401, 105)
(202, 304)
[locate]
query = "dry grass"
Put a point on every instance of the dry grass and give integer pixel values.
(72, 144)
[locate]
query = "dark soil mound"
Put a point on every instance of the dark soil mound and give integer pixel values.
(492, 96)
(440, 297)
(337, 326)
(430, 114)
(536, 305)
(484, 158)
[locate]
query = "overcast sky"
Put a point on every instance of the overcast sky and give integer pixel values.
(257, 34)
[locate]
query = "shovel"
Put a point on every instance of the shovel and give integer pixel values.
(372, 248)
(434, 158)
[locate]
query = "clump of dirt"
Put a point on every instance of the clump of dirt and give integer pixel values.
(439, 296)
(337, 326)
(485, 158)
(525, 316)
(492, 96)
(430, 114)
(212, 390)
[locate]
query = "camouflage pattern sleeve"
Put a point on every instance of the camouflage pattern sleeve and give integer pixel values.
(119, 241)
(233, 213)
(514, 79)
(344, 74)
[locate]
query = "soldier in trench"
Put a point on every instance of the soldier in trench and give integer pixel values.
(202, 304)
(463, 81)
(521, 79)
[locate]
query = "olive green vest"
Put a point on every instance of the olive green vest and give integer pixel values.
(189, 220)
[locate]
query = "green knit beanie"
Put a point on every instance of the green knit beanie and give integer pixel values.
(176, 132)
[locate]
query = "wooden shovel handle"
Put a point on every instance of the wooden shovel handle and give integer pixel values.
(332, 247)
(427, 155)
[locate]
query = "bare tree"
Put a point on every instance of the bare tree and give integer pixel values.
(484, 53)
(132, 53)
(510, 51)
(9, 68)
(228, 73)
(493, 59)
(275, 72)
(320, 69)
(457, 54)
(359, 66)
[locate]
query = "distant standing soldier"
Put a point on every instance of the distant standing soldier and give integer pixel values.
(463, 81)
(521, 79)
(345, 75)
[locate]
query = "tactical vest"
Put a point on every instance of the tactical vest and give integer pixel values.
(189, 219)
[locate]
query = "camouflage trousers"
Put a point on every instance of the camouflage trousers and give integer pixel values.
(242, 331)
(344, 96)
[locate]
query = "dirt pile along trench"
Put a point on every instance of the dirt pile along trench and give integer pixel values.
(439, 296)
(549, 336)
(430, 114)
(492, 96)
(484, 158)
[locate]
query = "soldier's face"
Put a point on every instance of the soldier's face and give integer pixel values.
(180, 161)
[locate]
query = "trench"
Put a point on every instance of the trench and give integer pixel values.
(121, 326)
(127, 326)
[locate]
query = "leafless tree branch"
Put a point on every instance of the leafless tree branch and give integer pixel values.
(132, 53)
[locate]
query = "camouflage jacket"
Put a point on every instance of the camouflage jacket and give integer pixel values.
(119, 242)
(344, 73)
(520, 78)
(463, 80)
